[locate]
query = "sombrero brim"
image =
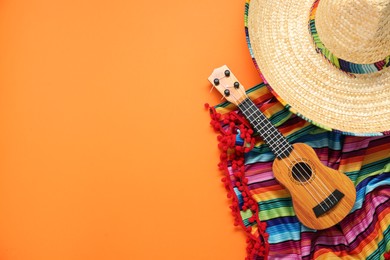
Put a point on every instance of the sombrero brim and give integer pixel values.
(282, 48)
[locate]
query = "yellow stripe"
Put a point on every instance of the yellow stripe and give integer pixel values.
(270, 195)
(374, 157)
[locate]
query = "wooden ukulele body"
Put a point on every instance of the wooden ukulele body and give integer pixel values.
(321, 196)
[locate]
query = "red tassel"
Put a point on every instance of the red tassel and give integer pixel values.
(234, 166)
(227, 126)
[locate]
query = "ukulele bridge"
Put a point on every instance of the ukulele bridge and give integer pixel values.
(328, 203)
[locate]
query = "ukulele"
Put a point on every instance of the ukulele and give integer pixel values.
(321, 196)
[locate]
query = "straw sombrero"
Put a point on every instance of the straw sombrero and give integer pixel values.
(327, 60)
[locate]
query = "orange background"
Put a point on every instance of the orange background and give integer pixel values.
(105, 148)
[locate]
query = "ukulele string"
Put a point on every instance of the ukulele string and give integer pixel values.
(321, 182)
(237, 101)
(302, 169)
(327, 197)
(295, 159)
(279, 149)
(299, 159)
(326, 187)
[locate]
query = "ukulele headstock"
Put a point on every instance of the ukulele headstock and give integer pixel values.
(227, 84)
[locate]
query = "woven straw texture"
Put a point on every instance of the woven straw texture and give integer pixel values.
(355, 30)
(305, 81)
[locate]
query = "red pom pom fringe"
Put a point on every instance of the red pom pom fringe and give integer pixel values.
(228, 126)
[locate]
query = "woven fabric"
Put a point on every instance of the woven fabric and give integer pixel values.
(263, 208)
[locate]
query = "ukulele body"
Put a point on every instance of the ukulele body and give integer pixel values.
(321, 196)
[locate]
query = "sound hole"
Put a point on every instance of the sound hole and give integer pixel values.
(301, 172)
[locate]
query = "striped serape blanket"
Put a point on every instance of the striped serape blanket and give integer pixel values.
(263, 208)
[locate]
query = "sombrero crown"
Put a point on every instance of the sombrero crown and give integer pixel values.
(326, 59)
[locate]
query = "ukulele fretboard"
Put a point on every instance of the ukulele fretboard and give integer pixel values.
(270, 134)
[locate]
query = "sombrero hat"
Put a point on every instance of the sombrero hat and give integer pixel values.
(327, 60)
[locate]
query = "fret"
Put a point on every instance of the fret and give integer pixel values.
(285, 151)
(252, 117)
(270, 134)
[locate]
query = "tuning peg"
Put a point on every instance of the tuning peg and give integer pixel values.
(227, 73)
(236, 85)
(226, 92)
(216, 82)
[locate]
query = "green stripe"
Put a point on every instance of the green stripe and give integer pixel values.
(373, 169)
(276, 213)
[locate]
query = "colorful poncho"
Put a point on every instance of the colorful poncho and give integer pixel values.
(264, 208)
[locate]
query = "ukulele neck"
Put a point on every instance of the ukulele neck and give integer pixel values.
(270, 134)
